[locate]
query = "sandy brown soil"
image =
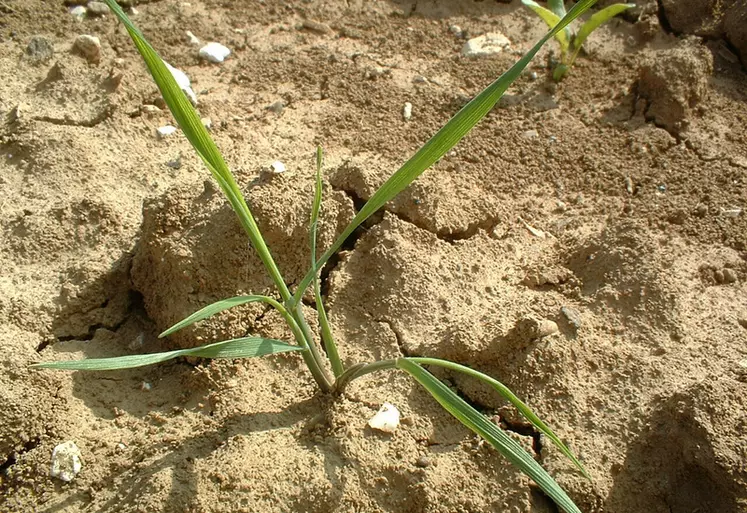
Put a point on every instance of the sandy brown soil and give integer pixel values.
(634, 169)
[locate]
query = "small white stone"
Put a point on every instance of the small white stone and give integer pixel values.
(386, 419)
(278, 167)
(97, 8)
(78, 12)
(145, 386)
(488, 44)
(456, 30)
(182, 80)
(165, 131)
(66, 461)
(89, 47)
(530, 134)
(214, 52)
(407, 111)
(731, 212)
(192, 39)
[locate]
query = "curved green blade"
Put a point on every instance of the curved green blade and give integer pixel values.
(218, 307)
(507, 394)
(445, 139)
(326, 331)
(552, 19)
(596, 20)
(236, 348)
(478, 423)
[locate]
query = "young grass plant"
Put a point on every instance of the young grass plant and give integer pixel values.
(289, 304)
(570, 43)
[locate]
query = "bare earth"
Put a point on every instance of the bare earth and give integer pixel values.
(612, 204)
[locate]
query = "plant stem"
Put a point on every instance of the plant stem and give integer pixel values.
(356, 371)
(312, 357)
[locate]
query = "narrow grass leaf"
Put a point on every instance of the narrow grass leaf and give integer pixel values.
(445, 139)
(551, 18)
(218, 307)
(507, 394)
(596, 20)
(326, 331)
(237, 348)
(198, 136)
(478, 423)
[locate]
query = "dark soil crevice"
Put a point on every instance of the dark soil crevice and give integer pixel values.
(11, 459)
(663, 21)
(349, 243)
(86, 123)
(397, 335)
(252, 329)
(524, 429)
(135, 304)
(446, 235)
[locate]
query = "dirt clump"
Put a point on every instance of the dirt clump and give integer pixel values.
(193, 251)
(711, 19)
(675, 83)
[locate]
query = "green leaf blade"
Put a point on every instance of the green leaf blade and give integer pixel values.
(247, 347)
(330, 346)
(217, 307)
(551, 19)
(478, 423)
(437, 146)
(596, 20)
(507, 394)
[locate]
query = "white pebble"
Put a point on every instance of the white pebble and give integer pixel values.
(89, 47)
(145, 386)
(98, 8)
(456, 30)
(278, 167)
(530, 134)
(182, 80)
(214, 52)
(66, 461)
(78, 12)
(165, 131)
(488, 44)
(731, 212)
(407, 111)
(386, 419)
(192, 38)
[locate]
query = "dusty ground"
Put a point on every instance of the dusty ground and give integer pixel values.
(634, 168)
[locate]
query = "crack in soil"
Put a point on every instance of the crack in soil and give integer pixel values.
(12, 458)
(487, 224)
(350, 242)
(87, 123)
(252, 329)
(135, 303)
(397, 335)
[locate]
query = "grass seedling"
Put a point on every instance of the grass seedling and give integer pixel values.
(288, 304)
(570, 43)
